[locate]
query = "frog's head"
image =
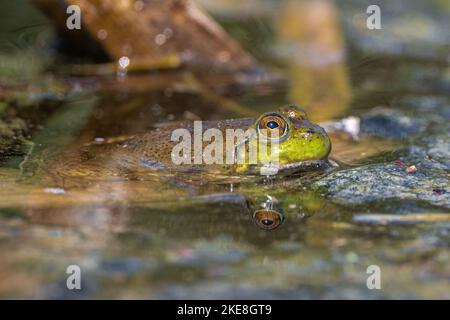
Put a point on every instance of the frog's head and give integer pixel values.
(291, 140)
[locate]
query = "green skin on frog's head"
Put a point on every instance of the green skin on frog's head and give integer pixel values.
(289, 140)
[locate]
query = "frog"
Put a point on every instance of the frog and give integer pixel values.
(294, 145)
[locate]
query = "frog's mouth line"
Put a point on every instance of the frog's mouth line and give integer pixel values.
(295, 167)
(309, 165)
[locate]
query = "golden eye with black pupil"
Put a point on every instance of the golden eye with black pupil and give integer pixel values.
(272, 126)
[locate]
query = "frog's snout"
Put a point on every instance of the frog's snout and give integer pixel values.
(311, 142)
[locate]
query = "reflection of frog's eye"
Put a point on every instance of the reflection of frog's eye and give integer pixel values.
(272, 126)
(267, 219)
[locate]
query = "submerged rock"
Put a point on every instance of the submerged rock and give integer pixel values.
(390, 180)
(11, 135)
(380, 181)
(392, 124)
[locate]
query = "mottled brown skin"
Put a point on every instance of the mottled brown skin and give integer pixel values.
(149, 154)
(135, 156)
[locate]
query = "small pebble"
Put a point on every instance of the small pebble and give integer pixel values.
(411, 169)
(438, 191)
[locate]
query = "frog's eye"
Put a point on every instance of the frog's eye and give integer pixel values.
(272, 126)
(267, 219)
(294, 112)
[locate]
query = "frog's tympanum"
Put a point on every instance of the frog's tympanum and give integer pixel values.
(293, 143)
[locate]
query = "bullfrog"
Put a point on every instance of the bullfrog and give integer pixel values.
(293, 144)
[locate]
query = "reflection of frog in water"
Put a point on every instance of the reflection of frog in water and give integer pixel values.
(268, 216)
(300, 146)
(139, 169)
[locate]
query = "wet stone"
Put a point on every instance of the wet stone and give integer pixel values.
(379, 181)
(392, 124)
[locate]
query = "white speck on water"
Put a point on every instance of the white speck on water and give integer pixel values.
(99, 139)
(102, 34)
(351, 125)
(160, 39)
(55, 190)
(124, 62)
